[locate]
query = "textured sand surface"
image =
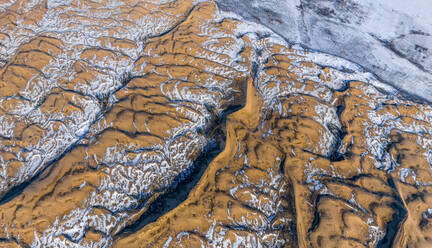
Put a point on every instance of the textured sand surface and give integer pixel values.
(175, 124)
(390, 38)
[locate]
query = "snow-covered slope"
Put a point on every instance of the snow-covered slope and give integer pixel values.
(173, 123)
(392, 39)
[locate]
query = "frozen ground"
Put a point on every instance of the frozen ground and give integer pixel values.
(392, 39)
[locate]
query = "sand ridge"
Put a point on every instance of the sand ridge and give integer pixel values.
(102, 118)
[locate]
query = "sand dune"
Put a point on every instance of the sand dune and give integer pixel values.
(176, 124)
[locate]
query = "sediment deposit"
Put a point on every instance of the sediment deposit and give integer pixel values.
(176, 124)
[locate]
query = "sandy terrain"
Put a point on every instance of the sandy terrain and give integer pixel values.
(175, 124)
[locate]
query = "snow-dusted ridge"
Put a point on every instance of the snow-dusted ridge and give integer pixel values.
(391, 39)
(144, 103)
